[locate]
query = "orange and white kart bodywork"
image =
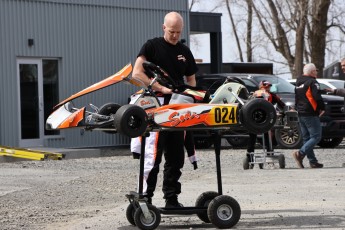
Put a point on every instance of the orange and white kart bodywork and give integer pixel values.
(224, 111)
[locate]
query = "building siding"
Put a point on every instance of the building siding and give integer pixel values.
(92, 39)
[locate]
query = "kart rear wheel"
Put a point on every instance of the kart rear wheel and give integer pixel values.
(258, 116)
(203, 201)
(130, 120)
(224, 211)
(108, 110)
(150, 223)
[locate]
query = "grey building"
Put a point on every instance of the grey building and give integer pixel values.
(51, 49)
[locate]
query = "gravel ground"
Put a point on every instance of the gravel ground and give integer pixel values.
(90, 193)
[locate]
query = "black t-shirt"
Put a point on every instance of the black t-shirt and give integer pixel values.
(177, 60)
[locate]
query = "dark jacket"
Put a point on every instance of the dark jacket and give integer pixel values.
(308, 96)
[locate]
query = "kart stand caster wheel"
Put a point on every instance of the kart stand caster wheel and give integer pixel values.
(203, 201)
(224, 211)
(130, 213)
(149, 223)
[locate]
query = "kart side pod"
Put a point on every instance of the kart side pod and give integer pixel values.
(258, 116)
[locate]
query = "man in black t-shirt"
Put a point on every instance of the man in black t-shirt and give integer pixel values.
(178, 61)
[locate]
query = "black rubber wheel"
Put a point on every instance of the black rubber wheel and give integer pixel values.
(330, 142)
(246, 163)
(261, 166)
(108, 110)
(224, 211)
(151, 223)
(289, 138)
(258, 116)
(281, 161)
(203, 201)
(130, 214)
(130, 120)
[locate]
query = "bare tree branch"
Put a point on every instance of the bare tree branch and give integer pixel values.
(234, 30)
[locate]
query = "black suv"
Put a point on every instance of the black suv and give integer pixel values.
(333, 121)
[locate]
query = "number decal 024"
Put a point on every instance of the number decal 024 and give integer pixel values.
(224, 115)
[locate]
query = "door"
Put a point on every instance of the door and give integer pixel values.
(38, 92)
(30, 102)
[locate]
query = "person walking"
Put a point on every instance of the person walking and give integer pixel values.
(178, 61)
(310, 106)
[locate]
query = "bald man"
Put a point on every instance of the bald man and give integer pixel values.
(178, 61)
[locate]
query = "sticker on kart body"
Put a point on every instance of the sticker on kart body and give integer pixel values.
(223, 115)
(176, 119)
(197, 116)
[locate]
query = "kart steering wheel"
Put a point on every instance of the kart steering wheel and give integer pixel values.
(163, 77)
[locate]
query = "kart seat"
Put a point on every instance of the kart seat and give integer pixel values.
(223, 94)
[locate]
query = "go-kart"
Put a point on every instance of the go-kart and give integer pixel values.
(189, 109)
(225, 110)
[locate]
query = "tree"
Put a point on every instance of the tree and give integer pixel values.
(234, 30)
(318, 32)
(300, 31)
(285, 28)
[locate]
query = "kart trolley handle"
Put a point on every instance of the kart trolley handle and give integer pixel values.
(221, 210)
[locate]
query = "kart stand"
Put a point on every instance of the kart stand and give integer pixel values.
(211, 207)
(267, 156)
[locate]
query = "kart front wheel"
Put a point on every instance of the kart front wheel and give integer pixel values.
(258, 116)
(130, 120)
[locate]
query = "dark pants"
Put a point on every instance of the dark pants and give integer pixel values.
(172, 144)
(252, 142)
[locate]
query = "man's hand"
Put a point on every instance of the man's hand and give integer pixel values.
(329, 90)
(166, 90)
(158, 87)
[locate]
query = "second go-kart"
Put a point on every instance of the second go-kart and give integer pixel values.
(189, 109)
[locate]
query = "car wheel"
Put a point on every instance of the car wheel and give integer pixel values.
(289, 138)
(330, 142)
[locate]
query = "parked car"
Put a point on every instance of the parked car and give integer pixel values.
(326, 83)
(333, 121)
